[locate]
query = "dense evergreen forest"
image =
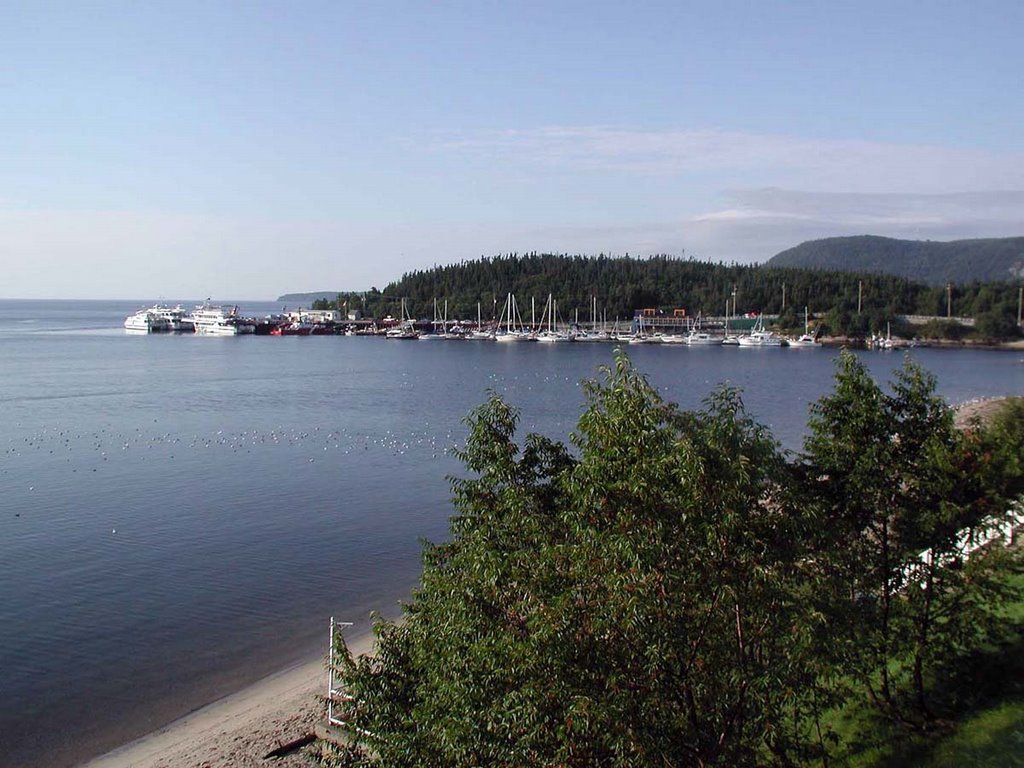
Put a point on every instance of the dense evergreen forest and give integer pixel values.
(622, 285)
(961, 261)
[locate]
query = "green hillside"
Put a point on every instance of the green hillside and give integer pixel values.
(959, 261)
(621, 286)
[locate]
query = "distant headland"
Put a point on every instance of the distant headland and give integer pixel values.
(309, 298)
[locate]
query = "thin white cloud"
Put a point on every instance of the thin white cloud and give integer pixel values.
(839, 164)
(754, 225)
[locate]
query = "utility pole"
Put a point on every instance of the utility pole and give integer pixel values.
(860, 294)
(949, 300)
(783, 297)
(1020, 302)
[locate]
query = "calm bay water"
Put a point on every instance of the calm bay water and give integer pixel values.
(180, 515)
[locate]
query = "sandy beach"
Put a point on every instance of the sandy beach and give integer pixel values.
(238, 730)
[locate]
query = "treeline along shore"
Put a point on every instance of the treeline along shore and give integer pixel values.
(843, 304)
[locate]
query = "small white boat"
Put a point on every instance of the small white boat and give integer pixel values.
(702, 339)
(403, 331)
(672, 338)
(807, 339)
(759, 337)
(554, 337)
(642, 338)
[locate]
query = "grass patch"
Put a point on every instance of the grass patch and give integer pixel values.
(990, 739)
(980, 698)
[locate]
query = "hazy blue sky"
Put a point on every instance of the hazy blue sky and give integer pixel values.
(243, 149)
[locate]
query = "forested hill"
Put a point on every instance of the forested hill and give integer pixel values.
(620, 286)
(959, 261)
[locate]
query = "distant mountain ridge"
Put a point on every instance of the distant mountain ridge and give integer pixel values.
(308, 298)
(959, 261)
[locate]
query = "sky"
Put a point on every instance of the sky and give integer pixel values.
(247, 149)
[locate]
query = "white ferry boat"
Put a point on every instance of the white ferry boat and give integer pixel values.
(175, 317)
(211, 320)
(146, 321)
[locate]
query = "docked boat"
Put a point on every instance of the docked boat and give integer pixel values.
(878, 341)
(175, 317)
(294, 328)
(759, 337)
(480, 333)
(146, 321)
(405, 329)
(673, 338)
(593, 333)
(551, 334)
(211, 320)
(513, 324)
(807, 339)
(642, 337)
(402, 331)
(702, 339)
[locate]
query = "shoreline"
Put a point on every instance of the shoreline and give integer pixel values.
(239, 729)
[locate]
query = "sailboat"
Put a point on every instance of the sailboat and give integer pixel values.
(479, 334)
(698, 338)
(453, 331)
(759, 337)
(807, 339)
(433, 327)
(593, 334)
(513, 326)
(640, 337)
(883, 342)
(405, 329)
(552, 334)
(730, 340)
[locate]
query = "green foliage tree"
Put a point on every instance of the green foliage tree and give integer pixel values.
(998, 322)
(643, 600)
(999, 444)
(898, 484)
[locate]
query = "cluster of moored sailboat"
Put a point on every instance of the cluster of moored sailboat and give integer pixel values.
(212, 320)
(550, 330)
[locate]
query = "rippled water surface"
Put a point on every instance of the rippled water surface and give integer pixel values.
(180, 515)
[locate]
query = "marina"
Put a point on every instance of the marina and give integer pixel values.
(646, 327)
